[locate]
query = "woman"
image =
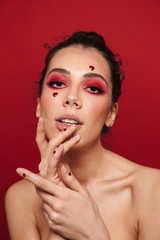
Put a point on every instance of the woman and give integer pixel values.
(83, 191)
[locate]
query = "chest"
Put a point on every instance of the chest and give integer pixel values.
(117, 209)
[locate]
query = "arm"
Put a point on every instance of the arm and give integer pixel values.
(20, 208)
(21, 212)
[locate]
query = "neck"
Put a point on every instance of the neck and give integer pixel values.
(86, 163)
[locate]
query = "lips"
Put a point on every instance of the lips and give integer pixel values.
(66, 120)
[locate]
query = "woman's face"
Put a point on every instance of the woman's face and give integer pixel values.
(77, 90)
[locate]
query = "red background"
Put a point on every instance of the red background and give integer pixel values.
(131, 27)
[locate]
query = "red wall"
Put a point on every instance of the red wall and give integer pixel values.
(131, 27)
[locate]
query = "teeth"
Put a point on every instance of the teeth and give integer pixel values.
(68, 121)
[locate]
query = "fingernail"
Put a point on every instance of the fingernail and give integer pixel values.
(72, 127)
(20, 172)
(37, 122)
(41, 120)
(64, 169)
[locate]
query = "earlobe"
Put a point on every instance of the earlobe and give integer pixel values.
(38, 110)
(112, 115)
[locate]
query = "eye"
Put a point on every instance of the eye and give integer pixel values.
(56, 84)
(94, 89)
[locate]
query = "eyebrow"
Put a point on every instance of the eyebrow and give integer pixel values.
(60, 70)
(95, 75)
(64, 71)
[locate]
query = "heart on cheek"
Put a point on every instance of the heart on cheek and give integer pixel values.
(55, 94)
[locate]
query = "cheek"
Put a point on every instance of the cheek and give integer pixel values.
(49, 95)
(97, 113)
(99, 107)
(48, 101)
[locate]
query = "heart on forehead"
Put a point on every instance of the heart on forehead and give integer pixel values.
(91, 67)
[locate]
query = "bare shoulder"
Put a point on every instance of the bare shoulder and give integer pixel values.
(138, 175)
(144, 183)
(22, 192)
(146, 180)
(146, 192)
(22, 204)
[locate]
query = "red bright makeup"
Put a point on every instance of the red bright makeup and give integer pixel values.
(95, 86)
(91, 67)
(57, 81)
(92, 85)
(55, 94)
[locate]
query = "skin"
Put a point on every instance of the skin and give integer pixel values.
(122, 202)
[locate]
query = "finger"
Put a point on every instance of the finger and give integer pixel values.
(57, 154)
(52, 214)
(40, 182)
(53, 222)
(54, 143)
(40, 136)
(69, 179)
(41, 142)
(69, 144)
(62, 137)
(46, 197)
(53, 162)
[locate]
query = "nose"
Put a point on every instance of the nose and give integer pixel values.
(72, 100)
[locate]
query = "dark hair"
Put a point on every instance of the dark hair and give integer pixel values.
(87, 40)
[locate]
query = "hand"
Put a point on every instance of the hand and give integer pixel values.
(70, 211)
(52, 151)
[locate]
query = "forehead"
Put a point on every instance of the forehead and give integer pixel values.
(79, 58)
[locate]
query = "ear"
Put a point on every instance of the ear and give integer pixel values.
(112, 115)
(38, 110)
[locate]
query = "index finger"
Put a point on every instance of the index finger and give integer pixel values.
(40, 136)
(40, 182)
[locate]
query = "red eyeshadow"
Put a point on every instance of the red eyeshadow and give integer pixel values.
(96, 83)
(56, 78)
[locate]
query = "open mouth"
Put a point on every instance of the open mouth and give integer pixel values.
(66, 120)
(69, 122)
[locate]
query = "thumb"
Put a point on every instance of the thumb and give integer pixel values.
(69, 180)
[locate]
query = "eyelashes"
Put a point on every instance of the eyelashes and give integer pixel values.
(60, 85)
(95, 86)
(94, 90)
(92, 86)
(56, 84)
